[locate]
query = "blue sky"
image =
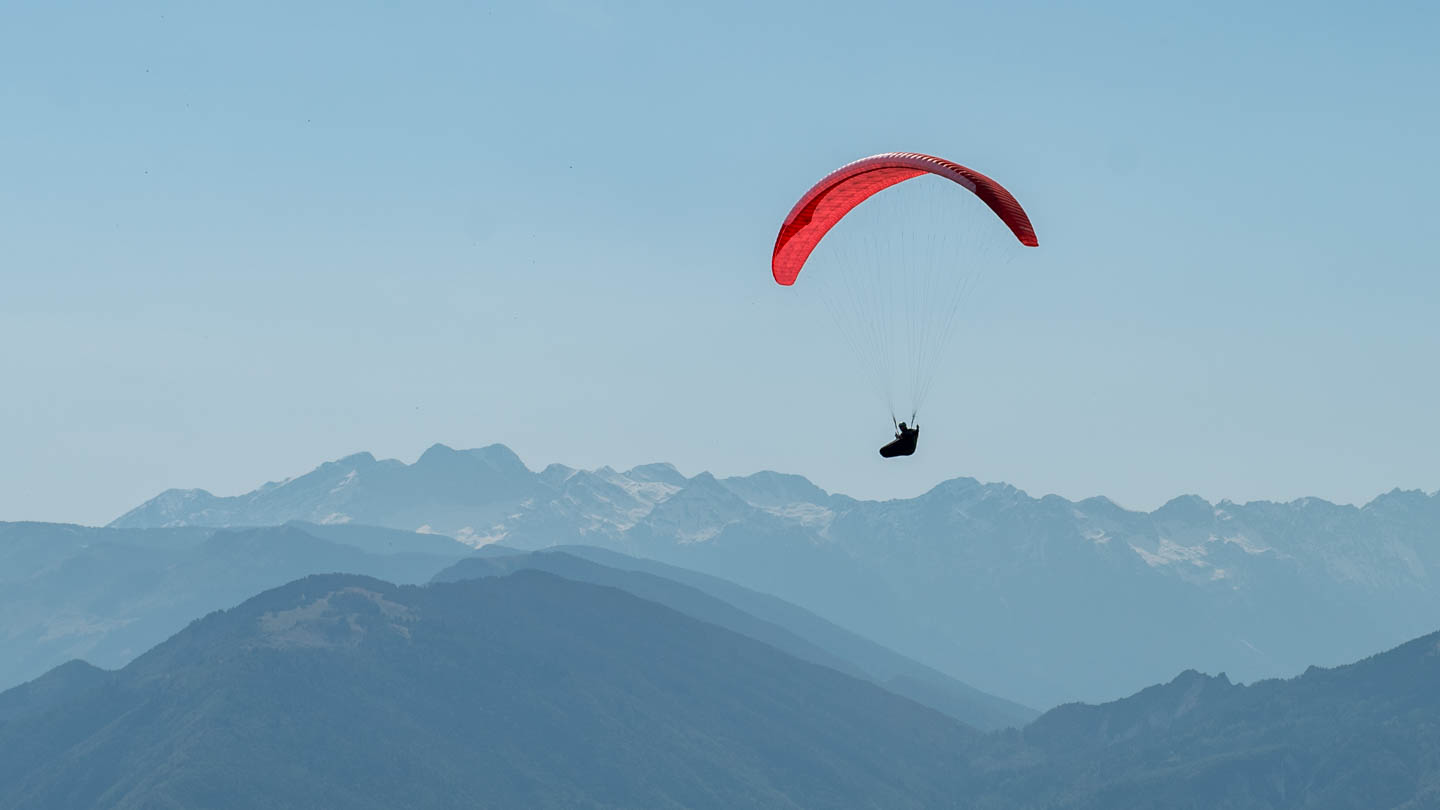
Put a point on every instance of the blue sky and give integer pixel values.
(242, 239)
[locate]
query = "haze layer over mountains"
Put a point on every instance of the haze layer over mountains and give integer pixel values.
(1040, 600)
(532, 690)
(598, 639)
(106, 595)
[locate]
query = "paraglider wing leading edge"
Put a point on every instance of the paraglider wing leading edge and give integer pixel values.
(829, 200)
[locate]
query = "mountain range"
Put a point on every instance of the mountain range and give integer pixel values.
(109, 594)
(532, 690)
(1042, 600)
(523, 691)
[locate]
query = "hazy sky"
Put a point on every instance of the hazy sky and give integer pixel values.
(238, 241)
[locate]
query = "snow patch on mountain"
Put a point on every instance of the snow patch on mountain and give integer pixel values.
(648, 492)
(344, 482)
(1246, 544)
(1168, 552)
(809, 515)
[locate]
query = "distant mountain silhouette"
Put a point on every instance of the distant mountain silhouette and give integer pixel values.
(452, 488)
(108, 595)
(784, 626)
(526, 691)
(1043, 600)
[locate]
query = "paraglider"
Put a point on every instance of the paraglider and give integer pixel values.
(904, 444)
(896, 287)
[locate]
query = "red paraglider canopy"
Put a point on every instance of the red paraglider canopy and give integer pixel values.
(835, 196)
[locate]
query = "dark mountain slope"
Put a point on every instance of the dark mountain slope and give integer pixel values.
(1363, 736)
(50, 690)
(527, 691)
